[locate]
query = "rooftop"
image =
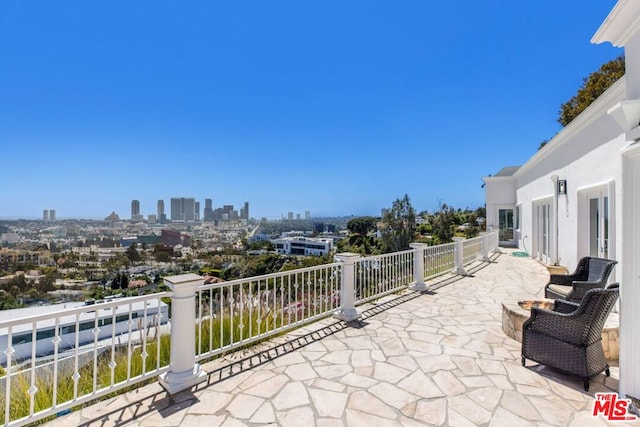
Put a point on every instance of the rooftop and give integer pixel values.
(433, 358)
(507, 171)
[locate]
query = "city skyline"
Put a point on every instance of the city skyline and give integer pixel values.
(339, 108)
(136, 208)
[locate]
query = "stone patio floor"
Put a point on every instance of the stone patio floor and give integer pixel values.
(434, 358)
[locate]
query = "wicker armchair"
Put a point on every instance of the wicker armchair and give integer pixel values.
(569, 337)
(591, 273)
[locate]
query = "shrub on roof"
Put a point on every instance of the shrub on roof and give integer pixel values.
(592, 87)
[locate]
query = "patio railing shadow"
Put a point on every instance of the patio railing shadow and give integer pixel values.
(248, 358)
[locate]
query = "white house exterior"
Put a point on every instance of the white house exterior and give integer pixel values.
(580, 194)
(303, 246)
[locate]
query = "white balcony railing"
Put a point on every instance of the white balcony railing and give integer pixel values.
(472, 249)
(236, 313)
(380, 275)
(55, 361)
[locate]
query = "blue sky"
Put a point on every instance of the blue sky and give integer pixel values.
(336, 107)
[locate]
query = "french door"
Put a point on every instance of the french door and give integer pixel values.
(543, 220)
(505, 227)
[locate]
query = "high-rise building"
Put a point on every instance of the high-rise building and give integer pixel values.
(244, 212)
(290, 215)
(183, 209)
(52, 215)
(307, 214)
(135, 209)
(189, 209)
(162, 217)
(45, 215)
(208, 210)
(197, 213)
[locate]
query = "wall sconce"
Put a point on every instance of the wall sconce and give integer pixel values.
(562, 186)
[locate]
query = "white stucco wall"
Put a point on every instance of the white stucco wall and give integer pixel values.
(598, 169)
(500, 192)
(586, 153)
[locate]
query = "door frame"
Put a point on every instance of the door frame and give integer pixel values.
(585, 194)
(506, 243)
(538, 250)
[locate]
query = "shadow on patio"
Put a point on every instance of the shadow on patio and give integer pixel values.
(434, 358)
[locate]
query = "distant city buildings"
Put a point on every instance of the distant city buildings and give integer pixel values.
(183, 209)
(49, 215)
(321, 227)
(303, 246)
(291, 216)
(15, 256)
(113, 217)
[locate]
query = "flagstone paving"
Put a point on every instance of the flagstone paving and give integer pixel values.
(434, 358)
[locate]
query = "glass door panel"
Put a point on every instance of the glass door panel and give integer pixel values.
(594, 229)
(598, 223)
(505, 225)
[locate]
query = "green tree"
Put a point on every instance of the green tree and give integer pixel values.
(162, 256)
(592, 87)
(46, 283)
(362, 225)
(115, 282)
(444, 224)
(8, 301)
(398, 226)
(261, 244)
(19, 282)
(132, 253)
(124, 283)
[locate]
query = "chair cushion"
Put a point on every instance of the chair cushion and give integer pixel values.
(560, 289)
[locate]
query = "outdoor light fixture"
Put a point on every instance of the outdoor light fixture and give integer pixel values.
(562, 186)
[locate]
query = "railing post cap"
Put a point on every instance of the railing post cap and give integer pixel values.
(418, 245)
(346, 256)
(459, 239)
(182, 280)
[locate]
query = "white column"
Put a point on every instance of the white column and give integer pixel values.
(630, 283)
(184, 372)
(347, 311)
(418, 266)
(458, 259)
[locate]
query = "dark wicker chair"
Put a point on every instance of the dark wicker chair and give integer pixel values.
(569, 337)
(591, 273)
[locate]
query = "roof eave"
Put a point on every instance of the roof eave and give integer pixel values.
(622, 23)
